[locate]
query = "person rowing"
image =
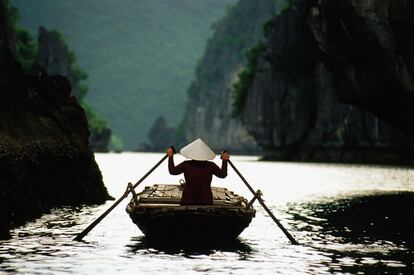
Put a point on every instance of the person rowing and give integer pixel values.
(198, 171)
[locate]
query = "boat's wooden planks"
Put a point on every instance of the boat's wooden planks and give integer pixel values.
(177, 192)
(172, 205)
(219, 194)
(168, 193)
(159, 208)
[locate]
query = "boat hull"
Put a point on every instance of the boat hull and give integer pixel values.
(158, 214)
(191, 222)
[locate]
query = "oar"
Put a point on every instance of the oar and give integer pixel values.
(101, 217)
(259, 198)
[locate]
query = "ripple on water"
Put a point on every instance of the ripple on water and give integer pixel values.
(365, 233)
(339, 233)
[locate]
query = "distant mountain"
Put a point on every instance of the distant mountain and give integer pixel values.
(208, 109)
(140, 55)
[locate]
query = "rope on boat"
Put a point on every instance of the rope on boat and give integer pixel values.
(256, 195)
(130, 188)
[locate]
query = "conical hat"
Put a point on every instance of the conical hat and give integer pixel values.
(197, 150)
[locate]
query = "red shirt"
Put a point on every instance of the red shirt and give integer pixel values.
(198, 176)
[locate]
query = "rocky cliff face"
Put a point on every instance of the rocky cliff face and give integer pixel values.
(54, 58)
(44, 156)
(368, 46)
(209, 103)
(160, 136)
(292, 108)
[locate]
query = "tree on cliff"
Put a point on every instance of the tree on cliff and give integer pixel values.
(20, 41)
(52, 46)
(296, 92)
(45, 160)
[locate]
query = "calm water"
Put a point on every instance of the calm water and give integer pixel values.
(348, 219)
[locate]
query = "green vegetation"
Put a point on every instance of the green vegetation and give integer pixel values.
(283, 5)
(246, 77)
(116, 143)
(79, 76)
(25, 46)
(292, 66)
(229, 42)
(267, 28)
(235, 33)
(140, 56)
(297, 66)
(80, 89)
(96, 123)
(25, 49)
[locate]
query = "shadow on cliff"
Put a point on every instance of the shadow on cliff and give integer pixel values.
(333, 82)
(369, 48)
(45, 160)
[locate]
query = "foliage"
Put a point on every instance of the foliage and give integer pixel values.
(246, 77)
(226, 52)
(267, 28)
(96, 123)
(140, 57)
(149, 58)
(25, 47)
(26, 51)
(294, 65)
(116, 143)
(235, 33)
(62, 39)
(284, 5)
(12, 13)
(79, 75)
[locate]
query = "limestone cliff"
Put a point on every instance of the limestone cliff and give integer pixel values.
(209, 99)
(160, 136)
(295, 107)
(368, 46)
(44, 156)
(54, 57)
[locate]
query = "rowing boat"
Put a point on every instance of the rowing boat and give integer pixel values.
(158, 214)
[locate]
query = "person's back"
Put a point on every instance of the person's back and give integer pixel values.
(197, 173)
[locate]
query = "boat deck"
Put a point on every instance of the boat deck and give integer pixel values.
(158, 214)
(169, 194)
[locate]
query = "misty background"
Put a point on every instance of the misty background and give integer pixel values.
(140, 56)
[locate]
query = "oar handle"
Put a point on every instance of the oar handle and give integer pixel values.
(102, 216)
(259, 198)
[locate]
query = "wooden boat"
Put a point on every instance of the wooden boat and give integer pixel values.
(158, 214)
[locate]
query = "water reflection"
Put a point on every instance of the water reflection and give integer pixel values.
(348, 219)
(143, 244)
(373, 233)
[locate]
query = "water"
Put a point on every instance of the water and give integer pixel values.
(348, 219)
